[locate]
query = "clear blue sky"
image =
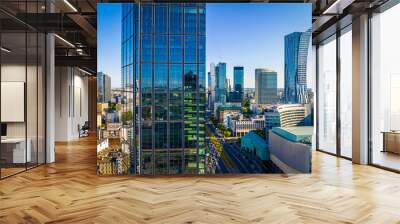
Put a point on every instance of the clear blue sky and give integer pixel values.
(246, 34)
(109, 41)
(252, 35)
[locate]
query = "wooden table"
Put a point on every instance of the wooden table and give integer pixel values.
(391, 141)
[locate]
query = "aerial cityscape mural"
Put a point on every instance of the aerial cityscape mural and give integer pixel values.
(195, 88)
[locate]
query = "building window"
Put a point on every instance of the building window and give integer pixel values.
(175, 19)
(175, 49)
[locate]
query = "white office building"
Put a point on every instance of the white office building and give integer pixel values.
(240, 126)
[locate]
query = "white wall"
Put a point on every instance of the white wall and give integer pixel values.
(71, 102)
(16, 73)
(33, 126)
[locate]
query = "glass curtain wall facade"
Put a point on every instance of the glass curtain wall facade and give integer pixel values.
(163, 76)
(334, 95)
(238, 79)
(327, 93)
(296, 52)
(221, 88)
(22, 76)
(385, 89)
(266, 91)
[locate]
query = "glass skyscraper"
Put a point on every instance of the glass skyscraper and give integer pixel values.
(238, 84)
(103, 88)
(212, 85)
(266, 86)
(296, 51)
(238, 78)
(220, 75)
(163, 74)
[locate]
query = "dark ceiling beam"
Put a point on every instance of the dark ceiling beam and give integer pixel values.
(16, 20)
(79, 61)
(44, 22)
(91, 5)
(86, 26)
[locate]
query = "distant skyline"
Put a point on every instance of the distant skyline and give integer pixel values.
(252, 35)
(240, 34)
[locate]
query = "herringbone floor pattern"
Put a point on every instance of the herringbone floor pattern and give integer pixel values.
(69, 191)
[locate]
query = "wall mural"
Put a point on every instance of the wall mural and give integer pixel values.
(213, 88)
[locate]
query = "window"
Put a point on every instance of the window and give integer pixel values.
(385, 88)
(160, 138)
(190, 49)
(202, 18)
(175, 77)
(161, 106)
(147, 162)
(161, 162)
(160, 77)
(160, 49)
(147, 18)
(202, 49)
(346, 94)
(146, 77)
(190, 77)
(175, 19)
(190, 20)
(147, 48)
(147, 135)
(327, 95)
(202, 78)
(160, 19)
(175, 161)
(175, 106)
(175, 49)
(190, 161)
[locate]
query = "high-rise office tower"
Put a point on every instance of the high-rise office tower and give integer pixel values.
(163, 56)
(103, 88)
(238, 78)
(296, 51)
(220, 74)
(236, 94)
(209, 99)
(266, 86)
(228, 84)
(208, 81)
(212, 86)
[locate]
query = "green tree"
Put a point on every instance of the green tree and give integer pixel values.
(126, 117)
(246, 103)
(261, 133)
(246, 108)
(112, 107)
(227, 133)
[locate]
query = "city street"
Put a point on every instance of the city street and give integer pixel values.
(232, 159)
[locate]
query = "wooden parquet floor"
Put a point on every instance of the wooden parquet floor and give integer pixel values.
(69, 191)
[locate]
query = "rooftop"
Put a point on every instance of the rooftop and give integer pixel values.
(229, 107)
(295, 133)
(254, 139)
